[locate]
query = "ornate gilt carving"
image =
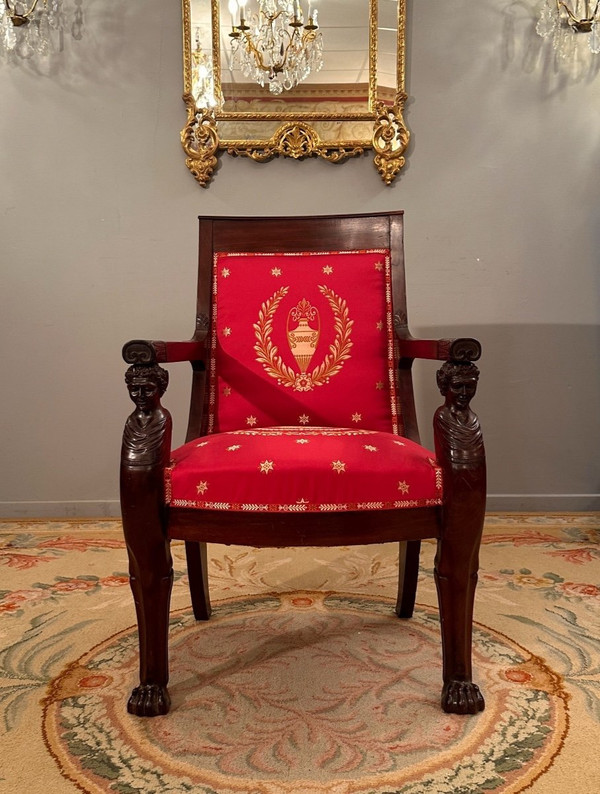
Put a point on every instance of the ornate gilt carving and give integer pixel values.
(311, 130)
(390, 139)
(297, 140)
(200, 141)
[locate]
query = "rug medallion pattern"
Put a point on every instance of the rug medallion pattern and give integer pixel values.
(303, 681)
(305, 692)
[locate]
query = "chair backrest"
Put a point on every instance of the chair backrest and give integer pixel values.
(301, 321)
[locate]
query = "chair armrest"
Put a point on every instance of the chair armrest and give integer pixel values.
(142, 351)
(462, 349)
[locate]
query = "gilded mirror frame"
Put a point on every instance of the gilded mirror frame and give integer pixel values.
(295, 136)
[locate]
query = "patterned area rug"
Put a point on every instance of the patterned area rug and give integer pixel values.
(303, 681)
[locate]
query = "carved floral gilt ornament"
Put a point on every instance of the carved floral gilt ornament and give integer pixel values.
(313, 119)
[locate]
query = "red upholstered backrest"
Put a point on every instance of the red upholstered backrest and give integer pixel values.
(302, 338)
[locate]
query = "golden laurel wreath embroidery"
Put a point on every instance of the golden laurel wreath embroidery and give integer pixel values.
(339, 351)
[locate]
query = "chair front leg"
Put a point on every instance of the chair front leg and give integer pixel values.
(151, 580)
(144, 455)
(461, 454)
(455, 571)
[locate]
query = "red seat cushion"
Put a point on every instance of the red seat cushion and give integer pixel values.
(302, 338)
(283, 469)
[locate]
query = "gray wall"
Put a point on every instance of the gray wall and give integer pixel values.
(98, 242)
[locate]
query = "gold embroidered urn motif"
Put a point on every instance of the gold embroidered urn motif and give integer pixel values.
(303, 339)
(303, 331)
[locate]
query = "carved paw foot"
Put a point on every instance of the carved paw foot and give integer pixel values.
(462, 697)
(149, 700)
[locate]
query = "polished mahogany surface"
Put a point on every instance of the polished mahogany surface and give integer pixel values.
(150, 522)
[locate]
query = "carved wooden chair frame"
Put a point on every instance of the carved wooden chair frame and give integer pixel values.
(149, 524)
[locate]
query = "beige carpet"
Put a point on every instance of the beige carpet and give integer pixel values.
(303, 681)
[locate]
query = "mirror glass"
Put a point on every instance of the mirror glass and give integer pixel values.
(295, 78)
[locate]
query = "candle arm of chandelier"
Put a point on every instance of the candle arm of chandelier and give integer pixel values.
(573, 19)
(308, 36)
(19, 19)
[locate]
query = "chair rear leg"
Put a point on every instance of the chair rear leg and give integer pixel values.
(197, 565)
(408, 574)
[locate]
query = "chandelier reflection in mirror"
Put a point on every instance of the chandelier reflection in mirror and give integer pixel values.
(274, 46)
(565, 21)
(31, 28)
(203, 83)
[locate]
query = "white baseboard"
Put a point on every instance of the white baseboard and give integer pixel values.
(80, 509)
(545, 503)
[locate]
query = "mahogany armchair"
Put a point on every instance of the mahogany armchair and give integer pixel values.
(302, 429)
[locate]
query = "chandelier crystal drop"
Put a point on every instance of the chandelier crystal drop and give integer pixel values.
(203, 84)
(273, 46)
(27, 26)
(562, 21)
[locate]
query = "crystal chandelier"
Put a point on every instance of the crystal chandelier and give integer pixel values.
(564, 20)
(203, 84)
(274, 46)
(27, 27)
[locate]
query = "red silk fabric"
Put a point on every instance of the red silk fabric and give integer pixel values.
(295, 469)
(303, 411)
(302, 339)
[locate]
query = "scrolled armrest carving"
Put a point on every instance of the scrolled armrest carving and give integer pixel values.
(464, 350)
(139, 351)
(457, 433)
(147, 432)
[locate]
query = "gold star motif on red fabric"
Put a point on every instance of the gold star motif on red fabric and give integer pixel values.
(371, 448)
(304, 419)
(227, 331)
(338, 465)
(379, 265)
(380, 325)
(379, 385)
(404, 487)
(357, 417)
(227, 391)
(266, 466)
(251, 421)
(202, 487)
(226, 272)
(276, 271)
(328, 270)
(233, 447)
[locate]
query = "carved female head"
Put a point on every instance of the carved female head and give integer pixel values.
(146, 385)
(458, 383)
